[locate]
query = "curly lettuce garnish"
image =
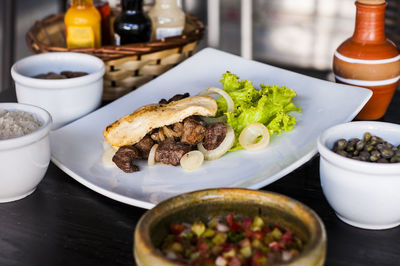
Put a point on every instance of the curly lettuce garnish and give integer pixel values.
(269, 105)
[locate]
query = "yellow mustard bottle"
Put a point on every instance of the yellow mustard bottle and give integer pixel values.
(83, 25)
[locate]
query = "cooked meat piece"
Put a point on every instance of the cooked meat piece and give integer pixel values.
(193, 130)
(171, 152)
(215, 134)
(144, 146)
(124, 157)
(176, 97)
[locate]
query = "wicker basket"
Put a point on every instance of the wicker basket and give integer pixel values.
(127, 66)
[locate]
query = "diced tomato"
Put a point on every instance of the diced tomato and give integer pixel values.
(232, 223)
(266, 229)
(176, 229)
(257, 235)
(248, 233)
(274, 246)
(246, 223)
(227, 247)
(287, 237)
(234, 262)
(202, 246)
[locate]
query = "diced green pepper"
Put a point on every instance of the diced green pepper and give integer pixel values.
(257, 224)
(213, 223)
(219, 238)
(246, 251)
(198, 228)
(177, 247)
(208, 233)
(276, 234)
(229, 254)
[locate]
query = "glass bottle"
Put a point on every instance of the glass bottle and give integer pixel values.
(167, 18)
(132, 25)
(104, 8)
(368, 59)
(82, 25)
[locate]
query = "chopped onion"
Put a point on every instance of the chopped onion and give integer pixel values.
(192, 160)
(151, 161)
(221, 261)
(222, 227)
(249, 135)
(107, 157)
(225, 145)
(230, 105)
(286, 256)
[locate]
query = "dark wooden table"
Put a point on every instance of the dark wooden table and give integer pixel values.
(65, 223)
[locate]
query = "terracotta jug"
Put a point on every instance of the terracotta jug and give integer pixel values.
(368, 59)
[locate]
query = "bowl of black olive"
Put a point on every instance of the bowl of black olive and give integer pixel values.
(230, 226)
(67, 85)
(360, 173)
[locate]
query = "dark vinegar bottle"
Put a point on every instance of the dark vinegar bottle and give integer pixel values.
(132, 25)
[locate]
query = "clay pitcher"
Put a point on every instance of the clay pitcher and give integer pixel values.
(368, 59)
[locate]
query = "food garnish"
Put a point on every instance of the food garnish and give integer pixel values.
(231, 240)
(270, 105)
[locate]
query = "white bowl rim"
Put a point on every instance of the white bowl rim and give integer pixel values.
(35, 135)
(354, 165)
(58, 83)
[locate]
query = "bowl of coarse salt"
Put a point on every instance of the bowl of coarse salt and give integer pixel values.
(24, 149)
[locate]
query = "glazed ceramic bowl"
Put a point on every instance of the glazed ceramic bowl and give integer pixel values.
(24, 160)
(363, 194)
(201, 205)
(65, 99)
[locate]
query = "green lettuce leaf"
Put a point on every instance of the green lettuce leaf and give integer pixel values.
(269, 105)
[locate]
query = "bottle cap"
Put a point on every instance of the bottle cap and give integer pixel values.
(371, 2)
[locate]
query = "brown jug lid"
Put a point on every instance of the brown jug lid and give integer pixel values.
(371, 2)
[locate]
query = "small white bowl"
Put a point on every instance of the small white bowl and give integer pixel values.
(65, 99)
(363, 194)
(24, 160)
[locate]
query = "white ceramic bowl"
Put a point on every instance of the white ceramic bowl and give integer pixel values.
(24, 160)
(363, 194)
(65, 99)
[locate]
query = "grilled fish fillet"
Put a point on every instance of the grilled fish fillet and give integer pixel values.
(130, 129)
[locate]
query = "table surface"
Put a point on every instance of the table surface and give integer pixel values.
(65, 223)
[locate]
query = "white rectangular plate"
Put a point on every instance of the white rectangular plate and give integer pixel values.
(78, 147)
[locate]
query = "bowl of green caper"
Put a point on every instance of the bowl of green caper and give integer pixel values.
(360, 173)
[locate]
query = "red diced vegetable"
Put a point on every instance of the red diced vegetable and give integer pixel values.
(257, 235)
(274, 246)
(176, 229)
(248, 233)
(202, 246)
(246, 223)
(232, 223)
(287, 237)
(234, 262)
